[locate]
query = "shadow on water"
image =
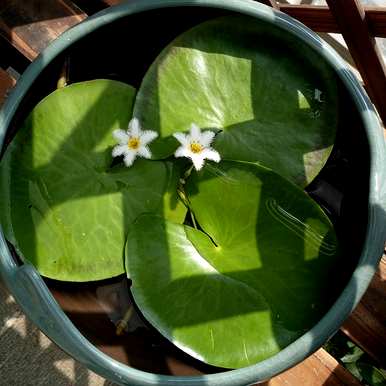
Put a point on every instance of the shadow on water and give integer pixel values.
(114, 64)
(343, 171)
(337, 200)
(274, 78)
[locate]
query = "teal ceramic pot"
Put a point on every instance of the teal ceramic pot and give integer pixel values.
(34, 297)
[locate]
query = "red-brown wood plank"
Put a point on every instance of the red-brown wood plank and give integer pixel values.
(6, 83)
(31, 25)
(376, 19)
(366, 326)
(320, 369)
(350, 16)
(320, 18)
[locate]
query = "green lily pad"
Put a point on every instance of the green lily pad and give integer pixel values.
(256, 277)
(273, 97)
(63, 207)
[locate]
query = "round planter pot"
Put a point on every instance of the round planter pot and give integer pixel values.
(360, 136)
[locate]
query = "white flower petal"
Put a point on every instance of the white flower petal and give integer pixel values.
(119, 150)
(121, 136)
(195, 133)
(182, 151)
(129, 157)
(207, 138)
(147, 136)
(181, 138)
(211, 154)
(198, 160)
(144, 152)
(135, 127)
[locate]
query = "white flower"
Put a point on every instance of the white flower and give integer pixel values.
(133, 142)
(196, 146)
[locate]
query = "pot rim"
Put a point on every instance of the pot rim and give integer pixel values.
(33, 296)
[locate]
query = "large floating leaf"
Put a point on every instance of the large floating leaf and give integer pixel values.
(274, 98)
(258, 281)
(63, 207)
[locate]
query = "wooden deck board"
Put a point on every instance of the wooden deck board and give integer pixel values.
(6, 83)
(31, 25)
(320, 18)
(351, 18)
(320, 369)
(366, 326)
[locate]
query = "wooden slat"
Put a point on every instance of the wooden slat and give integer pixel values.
(367, 324)
(320, 18)
(6, 83)
(320, 369)
(376, 19)
(31, 25)
(350, 16)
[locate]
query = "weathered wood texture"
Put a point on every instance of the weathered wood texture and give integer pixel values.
(321, 19)
(366, 326)
(350, 17)
(320, 369)
(31, 25)
(6, 83)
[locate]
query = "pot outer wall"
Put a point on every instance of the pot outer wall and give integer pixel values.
(34, 297)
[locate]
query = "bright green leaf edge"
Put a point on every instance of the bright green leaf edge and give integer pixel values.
(245, 78)
(265, 303)
(63, 208)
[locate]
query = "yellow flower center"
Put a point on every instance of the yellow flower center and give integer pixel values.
(196, 147)
(133, 143)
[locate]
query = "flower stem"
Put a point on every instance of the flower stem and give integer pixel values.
(63, 78)
(193, 219)
(122, 324)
